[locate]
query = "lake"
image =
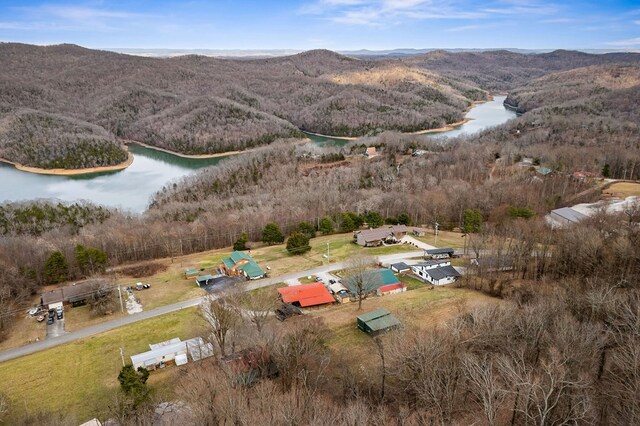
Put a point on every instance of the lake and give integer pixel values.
(131, 189)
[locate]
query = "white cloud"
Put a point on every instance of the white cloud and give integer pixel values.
(64, 17)
(384, 12)
(630, 42)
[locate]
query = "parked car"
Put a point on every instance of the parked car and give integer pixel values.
(59, 315)
(59, 309)
(145, 286)
(52, 313)
(332, 281)
(35, 311)
(50, 320)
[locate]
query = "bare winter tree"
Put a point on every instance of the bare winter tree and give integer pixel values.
(257, 305)
(485, 385)
(360, 278)
(222, 317)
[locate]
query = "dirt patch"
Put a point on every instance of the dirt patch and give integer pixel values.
(622, 190)
(143, 270)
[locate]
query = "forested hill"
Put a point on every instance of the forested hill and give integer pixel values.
(502, 70)
(605, 81)
(200, 105)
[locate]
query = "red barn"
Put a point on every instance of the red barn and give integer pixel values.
(306, 295)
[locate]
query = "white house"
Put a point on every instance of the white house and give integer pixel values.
(172, 350)
(436, 273)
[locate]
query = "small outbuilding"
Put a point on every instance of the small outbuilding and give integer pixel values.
(191, 273)
(400, 267)
(494, 263)
(439, 253)
(391, 289)
(566, 216)
(378, 321)
(204, 280)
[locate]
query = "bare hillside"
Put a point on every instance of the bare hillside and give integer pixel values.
(200, 105)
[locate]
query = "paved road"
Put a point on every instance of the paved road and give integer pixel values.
(130, 319)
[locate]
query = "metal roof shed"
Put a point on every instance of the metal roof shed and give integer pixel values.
(377, 321)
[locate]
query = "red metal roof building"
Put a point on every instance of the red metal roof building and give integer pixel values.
(305, 295)
(391, 289)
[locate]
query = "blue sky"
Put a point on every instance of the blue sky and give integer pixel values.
(331, 24)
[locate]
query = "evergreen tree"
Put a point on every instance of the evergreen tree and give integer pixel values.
(134, 382)
(56, 268)
(606, 171)
(307, 229)
(472, 220)
(347, 223)
(241, 242)
(404, 219)
(373, 219)
(272, 234)
(90, 260)
(326, 226)
(298, 243)
(358, 220)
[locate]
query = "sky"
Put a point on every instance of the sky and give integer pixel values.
(330, 24)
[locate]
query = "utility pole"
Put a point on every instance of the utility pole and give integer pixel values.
(120, 296)
(122, 356)
(436, 239)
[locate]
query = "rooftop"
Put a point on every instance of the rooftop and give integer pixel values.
(381, 233)
(440, 251)
(443, 272)
(379, 320)
(375, 278)
(569, 214)
(306, 294)
(251, 268)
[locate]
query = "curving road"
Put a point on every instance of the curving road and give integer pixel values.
(119, 322)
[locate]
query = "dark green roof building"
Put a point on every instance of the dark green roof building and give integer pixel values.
(378, 321)
(375, 278)
(240, 263)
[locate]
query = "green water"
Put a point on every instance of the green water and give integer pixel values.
(132, 188)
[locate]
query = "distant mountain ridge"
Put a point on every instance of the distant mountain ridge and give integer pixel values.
(270, 53)
(203, 105)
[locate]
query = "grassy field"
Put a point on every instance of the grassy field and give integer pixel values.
(80, 377)
(421, 308)
(445, 239)
(623, 189)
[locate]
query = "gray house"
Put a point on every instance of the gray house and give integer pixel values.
(378, 236)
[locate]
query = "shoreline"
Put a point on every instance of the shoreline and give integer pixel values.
(129, 161)
(71, 172)
(446, 128)
(192, 156)
(342, 138)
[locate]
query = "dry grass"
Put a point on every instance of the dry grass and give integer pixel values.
(445, 239)
(421, 308)
(622, 190)
(25, 330)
